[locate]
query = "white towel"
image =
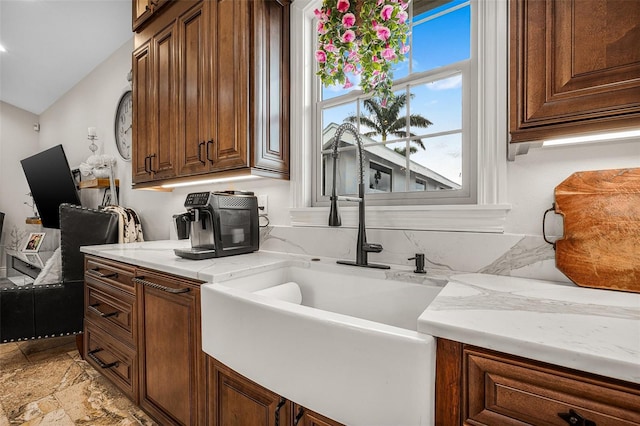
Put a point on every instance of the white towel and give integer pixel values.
(287, 292)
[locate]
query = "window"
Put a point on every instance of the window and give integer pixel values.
(420, 135)
(380, 178)
(483, 123)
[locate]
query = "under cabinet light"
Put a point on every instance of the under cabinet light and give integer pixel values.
(592, 138)
(210, 181)
(2, 49)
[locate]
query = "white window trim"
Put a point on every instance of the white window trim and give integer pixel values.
(489, 214)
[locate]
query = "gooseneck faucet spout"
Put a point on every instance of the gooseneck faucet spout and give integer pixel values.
(363, 248)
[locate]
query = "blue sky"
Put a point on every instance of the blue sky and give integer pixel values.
(437, 42)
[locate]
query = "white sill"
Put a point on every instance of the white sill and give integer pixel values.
(461, 218)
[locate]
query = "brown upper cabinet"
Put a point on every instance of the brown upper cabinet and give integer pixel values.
(143, 10)
(574, 67)
(211, 91)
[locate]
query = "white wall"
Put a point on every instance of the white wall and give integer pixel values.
(18, 140)
(532, 178)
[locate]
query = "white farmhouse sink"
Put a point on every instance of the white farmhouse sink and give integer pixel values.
(350, 351)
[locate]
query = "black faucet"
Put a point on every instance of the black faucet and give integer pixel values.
(363, 248)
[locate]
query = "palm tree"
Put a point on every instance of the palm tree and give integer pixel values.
(386, 121)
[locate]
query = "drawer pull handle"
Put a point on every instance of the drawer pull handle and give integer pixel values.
(161, 287)
(278, 407)
(575, 419)
(96, 272)
(99, 361)
(298, 417)
(94, 308)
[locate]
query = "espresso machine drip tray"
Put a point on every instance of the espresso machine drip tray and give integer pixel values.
(196, 253)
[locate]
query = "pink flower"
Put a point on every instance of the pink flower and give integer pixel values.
(404, 5)
(374, 58)
(347, 84)
(320, 15)
(380, 2)
(383, 32)
(402, 16)
(404, 49)
(321, 56)
(321, 28)
(343, 5)
(354, 56)
(348, 20)
(386, 12)
(383, 103)
(389, 54)
(348, 36)
(349, 68)
(330, 47)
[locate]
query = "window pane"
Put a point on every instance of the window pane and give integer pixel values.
(439, 102)
(439, 166)
(441, 41)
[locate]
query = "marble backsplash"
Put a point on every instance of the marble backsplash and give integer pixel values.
(446, 253)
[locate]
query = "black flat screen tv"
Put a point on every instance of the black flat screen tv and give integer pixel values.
(51, 182)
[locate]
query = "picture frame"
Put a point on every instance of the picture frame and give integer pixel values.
(33, 242)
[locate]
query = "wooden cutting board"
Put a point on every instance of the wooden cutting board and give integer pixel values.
(601, 242)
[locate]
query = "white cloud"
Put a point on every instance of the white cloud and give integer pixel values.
(454, 82)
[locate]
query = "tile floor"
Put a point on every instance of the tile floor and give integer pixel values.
(45, 382)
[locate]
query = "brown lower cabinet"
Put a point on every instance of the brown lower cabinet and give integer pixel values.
(171, 361)
(234, 400)
(476, 386)
(142, 332)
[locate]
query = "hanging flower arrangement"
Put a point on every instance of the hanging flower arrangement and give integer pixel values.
(361, 37)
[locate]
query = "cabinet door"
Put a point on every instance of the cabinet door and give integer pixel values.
(270, 92)
(193, 28)
(575, 67)
(142, 113)
(171, 359)
(306, 417)
(141, 12)
(164, 130)
(237, 401)
(229, 112)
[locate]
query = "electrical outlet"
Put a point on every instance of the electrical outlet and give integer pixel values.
(263, 204)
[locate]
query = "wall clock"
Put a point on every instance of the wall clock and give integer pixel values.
(122, 127)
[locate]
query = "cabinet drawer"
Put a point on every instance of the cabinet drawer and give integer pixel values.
(111, 309)
(509, 391)
(112, 358)
(116, 274)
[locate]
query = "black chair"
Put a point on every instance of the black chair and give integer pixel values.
(50, 310)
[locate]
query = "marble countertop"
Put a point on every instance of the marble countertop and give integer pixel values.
(159, 255)
(592, 330)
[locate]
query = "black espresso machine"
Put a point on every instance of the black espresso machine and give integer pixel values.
(219, 224)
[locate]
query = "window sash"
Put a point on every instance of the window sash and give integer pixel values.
(466, 195)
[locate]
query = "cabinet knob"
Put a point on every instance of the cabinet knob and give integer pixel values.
(151, 163)
(277, 413)
(209, 143)
(200, 145)
(298, 416)
(575, 419)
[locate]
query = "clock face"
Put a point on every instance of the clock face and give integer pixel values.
(123, 123)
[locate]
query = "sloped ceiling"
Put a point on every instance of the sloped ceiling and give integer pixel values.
(52, 44)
